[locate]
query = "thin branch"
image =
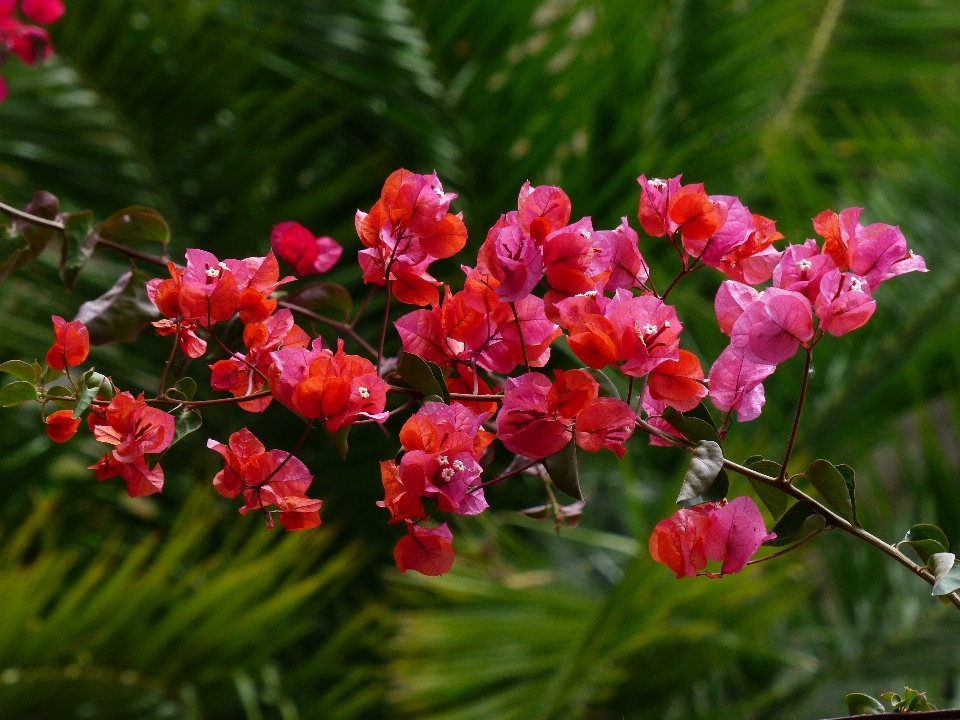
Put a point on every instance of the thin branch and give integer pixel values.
(796, 419)
(131, 253)
(831, 517)
(207, 403)
(410, 392)
(793, 547)
(338, 326)
(21, 215)
(503, 477)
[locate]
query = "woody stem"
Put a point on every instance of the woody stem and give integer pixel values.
(796, 420)
(523, 345)
(793, 547)
(166, 368)
(340, 327)
(831, 517)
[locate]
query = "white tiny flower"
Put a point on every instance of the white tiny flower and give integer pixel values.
(447, 474)
(666, 323)
(584, 232)
(213, 272)
(658, 183)
(591, 293)
(442, 461)
(804, 264)
(458, 465)
(856, 285)
(649, 329)
(363, 392)
(439, 191)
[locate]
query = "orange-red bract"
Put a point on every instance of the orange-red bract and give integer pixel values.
(429, 552)
(692, 211)
(679, 383)
(71, 344)
(61, 425)
(299, 512)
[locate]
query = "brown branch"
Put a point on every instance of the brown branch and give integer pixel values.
(465, 397)
(21, 215)
(208, 403)
(338, 326)
(831, 517)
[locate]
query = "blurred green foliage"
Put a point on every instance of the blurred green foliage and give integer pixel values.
(231, 115)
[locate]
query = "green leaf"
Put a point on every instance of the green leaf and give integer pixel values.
(422, 376)
(56, 393)
(799, 522)
(340, 440)
(187, 422)
(705, 466)
(26, 240)
(50, 374)
(187, 387)
(926, 540)
(607, 388)
(323, 296)
(17, 392)
(832, 486)
(860, 704)
(717, 491)
(86, 392)
(892, 698)
(775, 499)
(702, 412)
(693, 428)
(132, 225)
(945, 571)
(21, 370)
(120, 313)
(850, 478)
(78, 242)
(563, 471)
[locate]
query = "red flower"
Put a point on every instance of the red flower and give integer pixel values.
(44, 12)
(193, 345)
(679, 383)
(429, 552)
(135, 430)
(265, 478)
(61, 425)
(403, 504)
(71, 344)
(256, 278)
(298, 247)
(538, 418)
(542, 210)
(337, 388)
(206, 290)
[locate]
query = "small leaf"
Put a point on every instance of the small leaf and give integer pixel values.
(850, 478)
(340, 440)
(775, 500)
(187, 422)
(705, 466)
(831, 484)
(78, 242)
(563, 471)
(56, 395)
(691, 427)
(421, 377)
(716, 492)
(85, 393)
(607, 388)
(926, 540)
(702, 412)
(50, 374)
(187, 387)
(22, 371)
(323, 296)
(17, 392)
(136, 224)
(120, 313)
(947, 575)
(860, 704)
(798, 523)
(892, 698)
(540, 512)
(438, 376)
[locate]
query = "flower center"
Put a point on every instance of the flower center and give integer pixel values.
(442, 461)
(363, 392)
(458, 466)
(584, 232)
(447, 474)
(649, 329)
(804, 264)
(856, 285)
(658, 184)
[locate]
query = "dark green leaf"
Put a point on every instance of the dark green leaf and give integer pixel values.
(832, 486)
(717, 491)
(926, 540)
(187, 387)
(943, 567)
(15, 252)
(120, 313)
(340, 440)
(563, 471)
(323, 296)
(58, 391)
(417, 372)
(691, 427)
(918, 702)
(78, 245)
(799, 522)
(17, 392)
(705, 466)
(860, 704)
(438, 376)
(776, 500)
(21, 370)
(134, 225)
(187, 422)
(850, 478)
(49, 375)
(702, 412)
(607, 388)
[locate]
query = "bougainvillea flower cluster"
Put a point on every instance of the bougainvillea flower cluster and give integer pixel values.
(474, 355)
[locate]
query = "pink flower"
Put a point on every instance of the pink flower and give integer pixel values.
(844, 303)
(44, 12)
(542, 210)
(771, 329)
(429, 552)
(628, 269)
(735, 383)
(801, 269)
(655, 198)
(299, 248)
(513, 258)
